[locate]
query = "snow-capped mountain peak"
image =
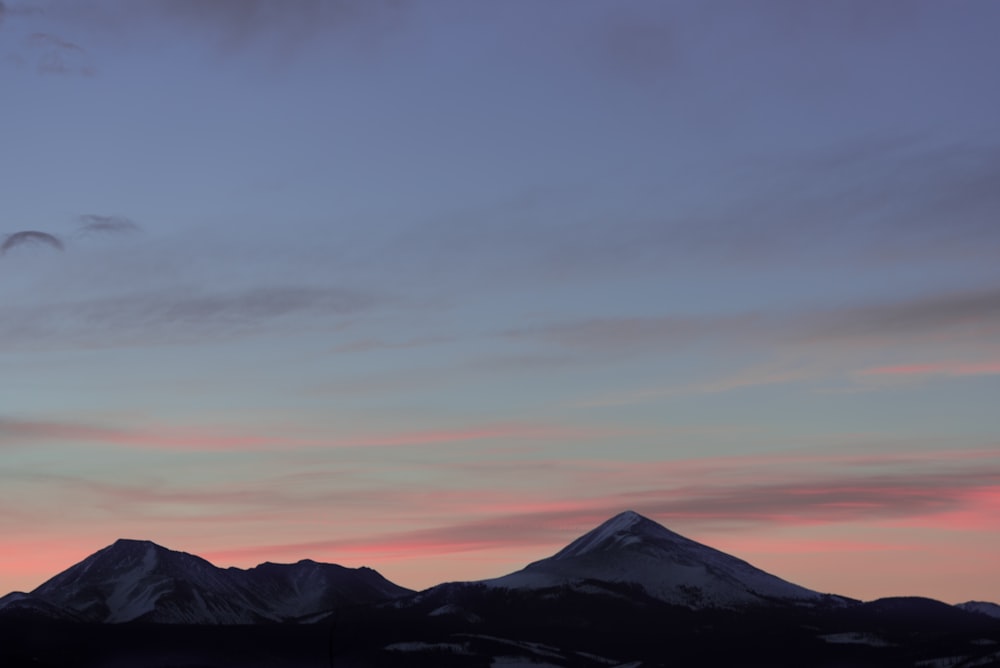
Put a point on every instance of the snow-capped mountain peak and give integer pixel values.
(624, 529)
(134, 580)
(631, 548)
(982, 607)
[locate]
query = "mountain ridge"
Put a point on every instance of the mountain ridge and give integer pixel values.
(139, 580)
(630, 592)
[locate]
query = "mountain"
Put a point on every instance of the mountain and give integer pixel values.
(135, 580)
(628, 593)
(633, 549)
(982, 607)
(20, 605)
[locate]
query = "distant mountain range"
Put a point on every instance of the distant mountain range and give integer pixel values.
(139, 581)
(611, 593)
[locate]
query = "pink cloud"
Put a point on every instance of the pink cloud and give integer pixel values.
(15, 432)
(446, 514)
(785, 546)
(514, 431)
(936, 369)
(933, 500)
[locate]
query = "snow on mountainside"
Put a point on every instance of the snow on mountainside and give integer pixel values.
(630, 548)
(306, 587)
(982, 607)
(27, 606)
(140, 581)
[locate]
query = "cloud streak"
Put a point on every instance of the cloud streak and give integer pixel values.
(375, 345)
(637, 333)
(231, 26)
(284, 23)
(842, 344)
(972, 313)
(42, 39)
(508, 513)
(975, 313)
(19, 433)
(882, 202)
(102, 224)
(59, 56)
(927, 499)
(901, 488)
(953, 369)
(30, 237)
(178, 316)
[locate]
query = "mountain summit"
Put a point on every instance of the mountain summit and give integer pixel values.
(137, 580)
(630, 548)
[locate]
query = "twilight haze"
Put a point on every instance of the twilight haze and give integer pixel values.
(435, 287)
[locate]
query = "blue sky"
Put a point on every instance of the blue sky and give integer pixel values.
(436, 286)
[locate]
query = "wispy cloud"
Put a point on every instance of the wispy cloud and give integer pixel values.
(235, 21)
(59, 56)
(504, 432)
(974, 313)
(520, 510)
(638, 333)
(959, 369)
(30, 237)
(9, 9)
(699, 495)
(177, 316)
(21, 433)
(876, 202)
(750, 377)
(925, 499)
(837, 343)
(373, 345)
(42, 39)
(91, 223)
(230, 26)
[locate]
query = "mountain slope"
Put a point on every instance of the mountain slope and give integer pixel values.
(19, 605)
(307, 587)
(141, 581)
(982, 607)
(630, 548)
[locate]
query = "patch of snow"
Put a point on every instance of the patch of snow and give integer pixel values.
(537, 648)
(629, 548)
(13, 597)
(520, 662)
(990, 660)
(599, 659)
(455, 610)
(982, 607)
(420, 646)
(856, 638)
(138, 579)
(943, 662)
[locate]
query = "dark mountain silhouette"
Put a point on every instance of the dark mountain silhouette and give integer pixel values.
(628, 593)
(630, 548)
(135, 580)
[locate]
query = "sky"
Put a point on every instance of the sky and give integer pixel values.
(436, 286)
